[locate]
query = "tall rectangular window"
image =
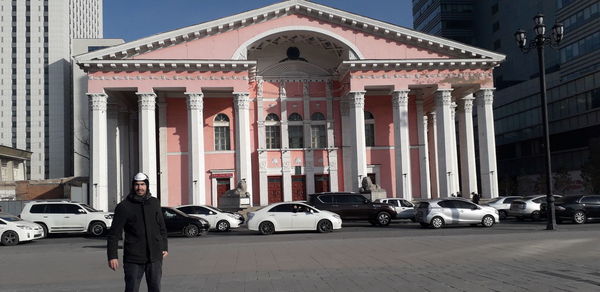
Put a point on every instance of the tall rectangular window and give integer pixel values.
(370, 135)
(222, 138)
(319, 136)
(296, 136)
(273, 137)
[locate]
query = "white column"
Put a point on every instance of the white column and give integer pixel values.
(357, 118)
(443, 102)
(163, 168)
(332, 155)
(99, 152)
(114, 157)
(309, 161)
(147, 137)
(467, 146)
(262, 155)
(243, 144)
(401, 144)
(487, 143)
(197, 183)
(286, 156)
(347, 138)
(455, 177)
(423, 151)
(434, 161)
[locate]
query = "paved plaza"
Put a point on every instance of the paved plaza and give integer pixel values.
(402, 257)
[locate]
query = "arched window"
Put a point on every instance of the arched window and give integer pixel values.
(295, 117)
(369, 129)
(273, 131)
(295, 131)
(221, 126)
(317, 117)
(318, 130)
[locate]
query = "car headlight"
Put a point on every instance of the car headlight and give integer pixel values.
(336, 216)
(496, 211)
(25, 227)
(109, 216)
(233, 216)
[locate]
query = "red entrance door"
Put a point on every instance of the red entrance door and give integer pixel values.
(222, 186)
(321, 183)
(275, 188)
(298, 188)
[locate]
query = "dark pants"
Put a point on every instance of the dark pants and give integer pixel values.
(135, 272)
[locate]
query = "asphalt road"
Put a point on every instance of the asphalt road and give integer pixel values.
(513, 256)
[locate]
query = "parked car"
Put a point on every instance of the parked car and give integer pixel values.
(292, 216)
(352, 206)
(14, 230)
(404, 209)
(219, 220)
(502, 204)
(445, 211)
(579, 209)
(67, 217)
(527, 207)
(179, 223)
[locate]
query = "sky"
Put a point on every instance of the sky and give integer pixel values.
(135, 19)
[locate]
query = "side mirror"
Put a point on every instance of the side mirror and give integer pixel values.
(80, 211)
(367, 201)
(475, 208)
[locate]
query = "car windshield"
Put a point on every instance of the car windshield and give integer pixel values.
(215, 209)
(567, 199)
(88, 208)
(530, 197)
(495, 200)
(10, 218)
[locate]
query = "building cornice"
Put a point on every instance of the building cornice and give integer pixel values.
(415, 64)
(167, 65)
(300, 7)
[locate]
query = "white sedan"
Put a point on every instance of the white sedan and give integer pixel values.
(14, 230)
(292, 216)
(218, 219)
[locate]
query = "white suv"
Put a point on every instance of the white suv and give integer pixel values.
(67, 217)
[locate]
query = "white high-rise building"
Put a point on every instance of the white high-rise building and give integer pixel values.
(35, 78)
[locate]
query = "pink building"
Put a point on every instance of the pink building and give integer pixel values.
(295, 98)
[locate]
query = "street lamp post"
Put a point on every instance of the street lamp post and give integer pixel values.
(541, 40)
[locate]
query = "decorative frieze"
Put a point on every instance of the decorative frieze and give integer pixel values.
(98, 101)
(241, 100)
(146, 101)
(167, 77)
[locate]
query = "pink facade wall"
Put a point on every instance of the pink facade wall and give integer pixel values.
(177, 148)
(223, 45)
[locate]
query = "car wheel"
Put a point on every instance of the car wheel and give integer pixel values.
(44, 229)
(384, 218)
(487, 221)
(535, 215)
(223, 225)
(579, 217)
(9, 238)
(97, 228)
(266, 228)
(324, 226)
(437, 222)
(191, 231)
(502, 215)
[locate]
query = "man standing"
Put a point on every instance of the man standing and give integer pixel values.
(145, 242)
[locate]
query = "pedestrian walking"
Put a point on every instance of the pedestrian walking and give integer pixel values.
(476, 197)
(145, 242)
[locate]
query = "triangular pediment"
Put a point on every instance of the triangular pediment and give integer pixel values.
(148, 48)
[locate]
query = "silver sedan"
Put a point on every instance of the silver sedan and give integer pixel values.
(444, 211)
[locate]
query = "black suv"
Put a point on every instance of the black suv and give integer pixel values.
(352, 206)
(579, 208)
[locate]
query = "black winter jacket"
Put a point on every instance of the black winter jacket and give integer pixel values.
(145, 231)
